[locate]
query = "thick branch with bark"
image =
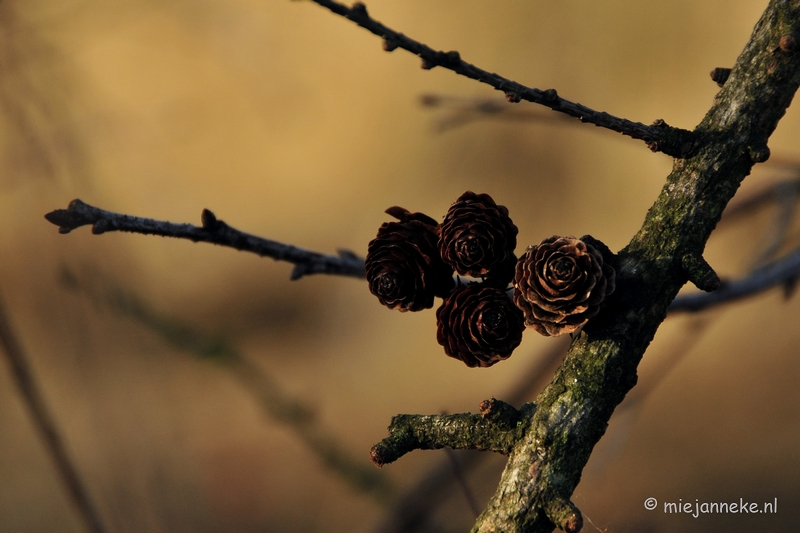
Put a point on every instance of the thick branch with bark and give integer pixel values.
(214, 231)
(659, 136)
(495, 429)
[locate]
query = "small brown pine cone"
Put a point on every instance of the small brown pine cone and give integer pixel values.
(477, 238)
(479, 325)
(403, 266)
(560, 283)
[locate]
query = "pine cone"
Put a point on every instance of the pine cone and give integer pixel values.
(477, 238)
(479, 325)
(560, 283)
(403, 266)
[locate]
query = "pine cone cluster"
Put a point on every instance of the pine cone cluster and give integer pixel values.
(558, 285)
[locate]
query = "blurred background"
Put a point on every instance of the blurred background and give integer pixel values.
(197, 389)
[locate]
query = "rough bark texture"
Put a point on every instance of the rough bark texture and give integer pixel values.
(496, 429)
(573, 411)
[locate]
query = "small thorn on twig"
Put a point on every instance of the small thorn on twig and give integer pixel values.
(513, 98)
(389, 45)
(758, 154)
(720, 75)
(209, 220)
(700, 273)
(550, 96)
(100, 227)
(359, 9)
(427, 64)
(453, 58)
(299, 270)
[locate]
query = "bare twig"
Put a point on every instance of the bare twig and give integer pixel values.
(270, 396)
(214, 231)
(495, 429)
(659, 136)
(44, 422)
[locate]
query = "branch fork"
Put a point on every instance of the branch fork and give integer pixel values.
(497, 428)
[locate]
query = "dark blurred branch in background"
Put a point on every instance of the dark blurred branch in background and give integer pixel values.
(265, 389)
(659, 136)
(214, 231)
(462, 111)
(45, 424)
(783, 272)
(784, 194)
(41, 98)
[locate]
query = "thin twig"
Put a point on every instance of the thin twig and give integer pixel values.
(659, 136)
(494, 429)
(45, 423)
(214, 231)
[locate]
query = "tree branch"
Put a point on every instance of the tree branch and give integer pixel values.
(495, 429)
(784, 271)
(659, 136)
(45, 423)
(214, 231)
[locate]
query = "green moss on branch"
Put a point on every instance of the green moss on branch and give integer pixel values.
(496, 429)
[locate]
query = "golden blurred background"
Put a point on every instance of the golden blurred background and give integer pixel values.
(291, 123)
